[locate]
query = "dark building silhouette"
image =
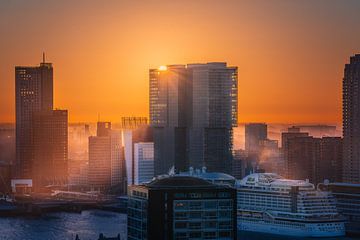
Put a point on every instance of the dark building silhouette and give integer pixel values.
(330, 164)
(239, 164)
(293, 132)
(50, 136)
(316, 159)
(181, 207)
(5, 174)
(302, 157)
(254, 134)
(33, 93)
(192, 111)
(351, 120)
(7, 144)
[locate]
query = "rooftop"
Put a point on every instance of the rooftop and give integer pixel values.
(179, 181)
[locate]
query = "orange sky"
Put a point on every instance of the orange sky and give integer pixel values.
(290, 54)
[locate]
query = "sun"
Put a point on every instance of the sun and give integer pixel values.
(162, 68)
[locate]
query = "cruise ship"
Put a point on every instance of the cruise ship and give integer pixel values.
(271, 204)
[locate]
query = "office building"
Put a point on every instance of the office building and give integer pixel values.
(106, 160)
(270, 157)
(50, 139)
(193, 109)
(33, 93)
(331, 156)
(100, 162)
(170, 100)
(303, 155)
(293, 132)
(181, 207)
(117, 158)
(351, 120)
(239, 164)
(134, 130)
(7, 144)
(143, 162)
(254, 134)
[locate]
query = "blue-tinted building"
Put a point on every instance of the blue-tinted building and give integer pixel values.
(181, 207)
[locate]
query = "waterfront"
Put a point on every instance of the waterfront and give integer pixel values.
(88, 225)
(64, 226)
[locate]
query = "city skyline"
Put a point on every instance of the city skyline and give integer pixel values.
(97, 55)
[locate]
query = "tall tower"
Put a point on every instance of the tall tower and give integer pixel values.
(169, 108)
(351, 121)
(193, 109)
(50, 163)
(33, 93)
(213, 115)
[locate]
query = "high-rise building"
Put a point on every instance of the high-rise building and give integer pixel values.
(117, 159)
(239, 164)
(99, 162)
(351, 120)
(135, 130)
(106, 158)
(292, 132)
(303, 155)
(33, 93)
(330, 164)
(170, 100)
(270, 158)
(181, 207)
(254, 134)
(193, 109)
(50, 138)
(143, 162)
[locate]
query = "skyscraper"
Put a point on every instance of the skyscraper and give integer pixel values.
(303, 156)
(192, 111)
(105, 158)
(351, 120)
(170, 100)
(33, 93)
(117, 158)
(50, 163)
(213, 115)
(293, 132)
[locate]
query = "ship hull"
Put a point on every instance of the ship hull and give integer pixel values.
(326, 229)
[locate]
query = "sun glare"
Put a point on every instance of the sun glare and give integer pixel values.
(162, 68)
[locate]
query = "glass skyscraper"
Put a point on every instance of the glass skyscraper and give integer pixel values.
(193, 109)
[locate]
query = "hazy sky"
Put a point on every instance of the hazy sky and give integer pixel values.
(290, 54)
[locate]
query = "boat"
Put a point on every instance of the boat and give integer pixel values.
(269, 203)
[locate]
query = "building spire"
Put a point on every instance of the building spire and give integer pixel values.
(43, 57)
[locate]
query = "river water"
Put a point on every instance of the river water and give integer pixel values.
(88, 225)
(64, 226)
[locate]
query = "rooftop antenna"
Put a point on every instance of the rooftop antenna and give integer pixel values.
(98, 117)
(43, 57)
